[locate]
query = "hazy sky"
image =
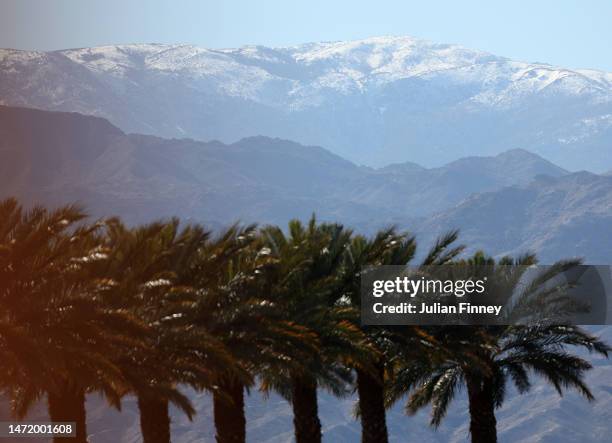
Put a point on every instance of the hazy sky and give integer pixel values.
(571, 33)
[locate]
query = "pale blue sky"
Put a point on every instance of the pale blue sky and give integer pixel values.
(571, 33)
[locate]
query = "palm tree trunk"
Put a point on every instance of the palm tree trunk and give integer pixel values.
(68, 405)
(483, 425)
(370, 387)
(154, 419)
(228, 404)
(305, 410)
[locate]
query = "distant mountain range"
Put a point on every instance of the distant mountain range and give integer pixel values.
(375, 101)
(54, 157)
(510, 203)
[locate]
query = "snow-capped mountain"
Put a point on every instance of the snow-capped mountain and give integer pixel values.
(374, 101)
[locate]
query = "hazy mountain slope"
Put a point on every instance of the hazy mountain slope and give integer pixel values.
(416, 191)
(40, 149)
(374, 101)
(61, 157)
(558, 217)
(142, 177)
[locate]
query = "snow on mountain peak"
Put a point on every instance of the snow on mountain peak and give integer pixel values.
(302, 72)
(390, 53)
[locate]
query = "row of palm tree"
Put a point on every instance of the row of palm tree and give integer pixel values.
(149, 310)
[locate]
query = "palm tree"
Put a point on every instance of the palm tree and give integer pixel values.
(306, 286)
(387, 247)
(485, 358)
(49, 304)
(231, 276)
(145, 264)
(222, 310)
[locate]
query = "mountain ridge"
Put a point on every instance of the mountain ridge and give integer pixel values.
(45, 155)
